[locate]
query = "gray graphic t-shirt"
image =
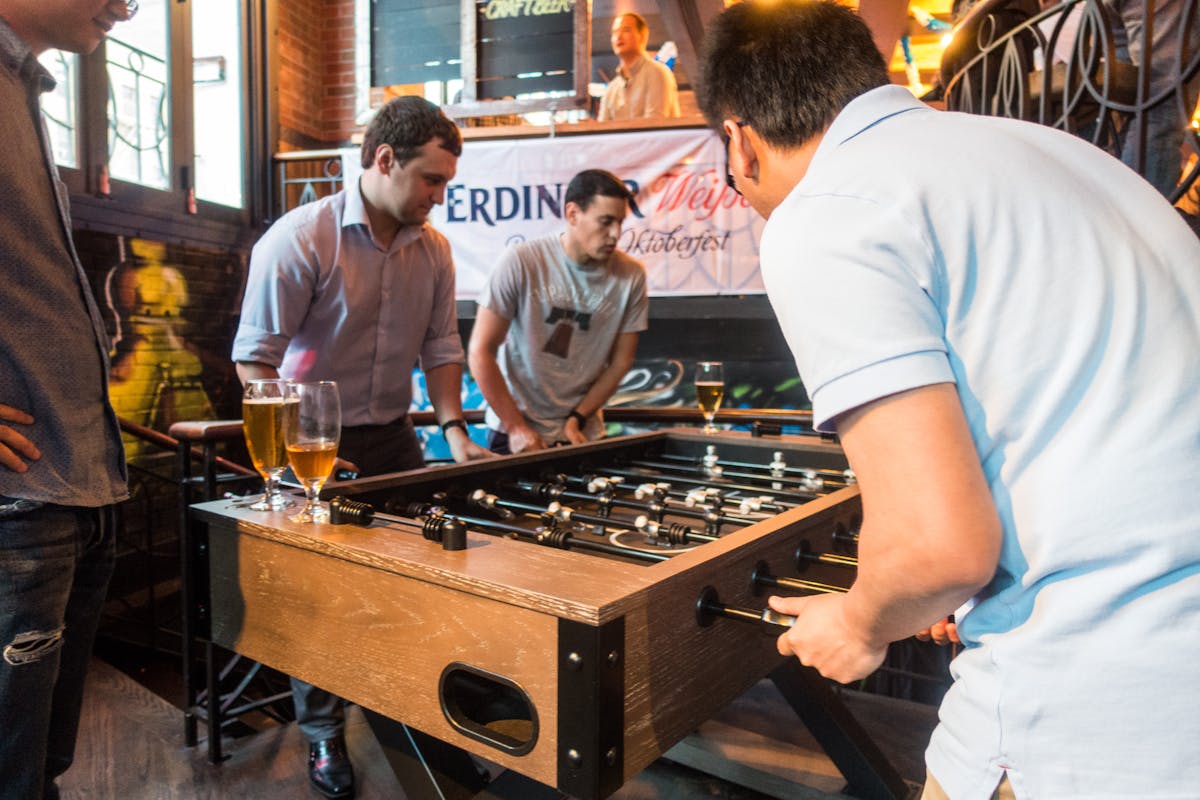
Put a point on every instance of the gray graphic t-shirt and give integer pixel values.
(564, 320)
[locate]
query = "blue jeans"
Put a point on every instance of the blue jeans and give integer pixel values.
(1167, 121)
(55, 563)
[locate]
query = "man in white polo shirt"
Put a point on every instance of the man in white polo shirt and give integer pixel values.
(1000, 322)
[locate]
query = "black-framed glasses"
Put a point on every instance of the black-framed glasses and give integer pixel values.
(729, 181)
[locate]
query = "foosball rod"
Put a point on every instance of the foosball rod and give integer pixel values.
(543, 489)
(836, 475)
(709, 607)
(568, 514)
(799, 497)
(547, 536)
(797, 483)
(727, 506)
(762, 577)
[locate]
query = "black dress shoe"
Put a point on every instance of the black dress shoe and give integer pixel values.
(329, 768)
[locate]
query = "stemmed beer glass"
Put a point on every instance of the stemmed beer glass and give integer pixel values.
(311, 432)
(710, 389)
(263, 402)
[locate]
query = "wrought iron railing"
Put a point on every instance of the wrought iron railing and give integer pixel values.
(138, 112)
(1078, 66)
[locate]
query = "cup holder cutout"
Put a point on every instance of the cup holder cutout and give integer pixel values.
(488, 708)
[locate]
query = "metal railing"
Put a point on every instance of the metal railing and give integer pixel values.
(1078, 66)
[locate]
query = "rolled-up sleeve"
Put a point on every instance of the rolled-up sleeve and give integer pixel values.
(279, 290)
(442, 343)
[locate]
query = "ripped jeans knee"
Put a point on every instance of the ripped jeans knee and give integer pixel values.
(27, 648)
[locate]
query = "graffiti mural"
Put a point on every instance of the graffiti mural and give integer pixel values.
(170, 311)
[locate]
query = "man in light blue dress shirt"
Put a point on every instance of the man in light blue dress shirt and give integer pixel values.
(359, 288)
(1000, 322)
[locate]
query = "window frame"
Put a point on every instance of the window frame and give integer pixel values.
(174, 211)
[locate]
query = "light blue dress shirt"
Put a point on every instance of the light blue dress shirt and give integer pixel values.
(325, 302)
(1060, 293)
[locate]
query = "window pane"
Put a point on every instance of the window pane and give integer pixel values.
(60, 107)
(139, 113)
(217, 95)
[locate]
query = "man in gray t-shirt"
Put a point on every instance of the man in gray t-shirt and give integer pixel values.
(558, 323)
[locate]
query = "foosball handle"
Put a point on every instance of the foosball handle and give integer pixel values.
(709, 607)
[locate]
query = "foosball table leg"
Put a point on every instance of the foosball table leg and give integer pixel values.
(868, 772)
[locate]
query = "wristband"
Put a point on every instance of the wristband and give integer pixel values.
(580, 418)
(457, 422)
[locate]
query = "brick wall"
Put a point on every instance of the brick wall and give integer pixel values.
(315, 39)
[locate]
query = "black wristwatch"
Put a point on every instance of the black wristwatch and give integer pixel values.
(457, 422)
(580, 418)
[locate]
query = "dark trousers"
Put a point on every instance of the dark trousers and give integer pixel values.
(375, 450)
(497, 442)
(55, 564)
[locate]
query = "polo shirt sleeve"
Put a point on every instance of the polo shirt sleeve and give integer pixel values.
(855, 289)
(283, 274)
(442, 344)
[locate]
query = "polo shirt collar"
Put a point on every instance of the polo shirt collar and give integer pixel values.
(866, 111)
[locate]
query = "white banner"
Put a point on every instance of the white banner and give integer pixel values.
(695, 235)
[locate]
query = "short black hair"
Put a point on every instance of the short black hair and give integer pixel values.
(591, 182)
(408, 123)
(786, 67)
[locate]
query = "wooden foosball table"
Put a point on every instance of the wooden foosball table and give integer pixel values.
(569, 614)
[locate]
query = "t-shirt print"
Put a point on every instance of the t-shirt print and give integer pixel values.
(559, 343)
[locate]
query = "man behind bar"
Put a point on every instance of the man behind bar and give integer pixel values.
(62, 466)
(642, 87)
(558, 323)
(1000, 322)
(356, 287)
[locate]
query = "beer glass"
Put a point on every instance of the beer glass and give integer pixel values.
(311, 431)
(262, 423)
(710, 389)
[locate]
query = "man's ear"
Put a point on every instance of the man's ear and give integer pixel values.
(571, 212)
(385, 158)
(743, 155)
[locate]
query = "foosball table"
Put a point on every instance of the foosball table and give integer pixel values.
(568, 614)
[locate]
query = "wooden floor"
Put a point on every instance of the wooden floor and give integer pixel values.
(131, 748)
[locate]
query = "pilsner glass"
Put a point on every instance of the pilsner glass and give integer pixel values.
(710, 389)
(311, 431)
(262, 423)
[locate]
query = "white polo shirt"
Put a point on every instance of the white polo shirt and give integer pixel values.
(1060, 293)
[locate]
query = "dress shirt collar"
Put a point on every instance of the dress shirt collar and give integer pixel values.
(18, 56)
(354, 212)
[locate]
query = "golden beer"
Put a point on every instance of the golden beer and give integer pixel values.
(312, 461)
(709, 395)
(262, 422)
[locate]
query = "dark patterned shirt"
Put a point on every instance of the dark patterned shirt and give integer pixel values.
(53, 347)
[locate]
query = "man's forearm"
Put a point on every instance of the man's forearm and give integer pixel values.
(252, 370)
(444, 384)
(491, 383)
(902, 592)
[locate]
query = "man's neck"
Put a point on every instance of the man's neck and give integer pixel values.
(630, 63)
(384, 226)
(577, 254)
